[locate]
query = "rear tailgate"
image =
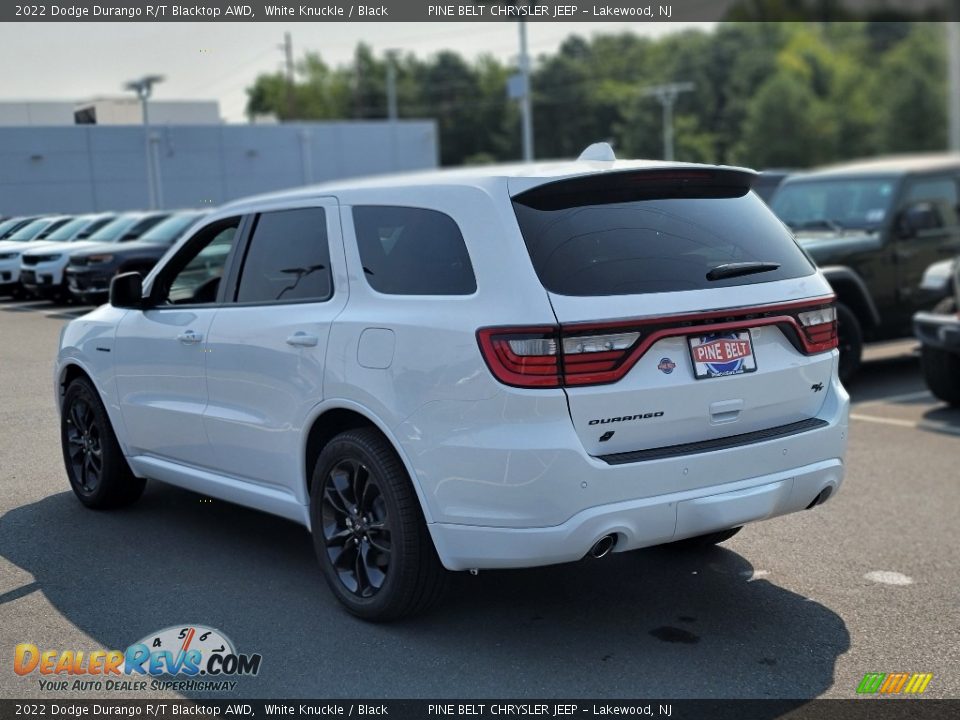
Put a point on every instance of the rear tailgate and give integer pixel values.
(654, 350)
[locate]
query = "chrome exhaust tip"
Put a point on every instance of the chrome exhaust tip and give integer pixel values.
(603, 546)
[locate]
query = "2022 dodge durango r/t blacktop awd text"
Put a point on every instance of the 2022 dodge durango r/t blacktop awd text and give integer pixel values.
(489, 368)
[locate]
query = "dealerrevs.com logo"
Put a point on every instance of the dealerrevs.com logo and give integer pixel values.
(196, 657)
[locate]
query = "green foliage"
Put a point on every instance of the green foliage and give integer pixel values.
(766, 94)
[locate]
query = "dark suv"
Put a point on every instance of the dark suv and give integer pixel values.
(89, 273)
(874, 227)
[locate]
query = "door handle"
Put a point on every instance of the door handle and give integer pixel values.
(302, 339)
(189, 337)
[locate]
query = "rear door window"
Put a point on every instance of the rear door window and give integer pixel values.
(288, 259)
(412, 251)
(632, 233)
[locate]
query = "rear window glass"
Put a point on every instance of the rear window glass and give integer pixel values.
(633, 233)
(412, 251)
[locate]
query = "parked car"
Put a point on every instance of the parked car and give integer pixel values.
(41, 270)
(11, 225)
(75, 229)
(488, 368)
(89, 272)
(874, 227)
(28, 235)
(939, 335)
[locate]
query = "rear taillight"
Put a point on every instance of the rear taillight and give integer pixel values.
(582, 354)
(818, 329)
(540, 357)
(522, 357)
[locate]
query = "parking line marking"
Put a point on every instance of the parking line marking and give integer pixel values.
(897, 422)
(894, 398)
(883, 421)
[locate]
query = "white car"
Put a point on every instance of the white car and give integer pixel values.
(28, 236)
(42, 268)
(488, 368)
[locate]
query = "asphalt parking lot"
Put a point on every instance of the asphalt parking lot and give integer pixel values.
(799, 607)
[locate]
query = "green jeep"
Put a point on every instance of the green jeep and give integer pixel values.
(873, 227)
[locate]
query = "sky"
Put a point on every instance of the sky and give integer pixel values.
(76, 61)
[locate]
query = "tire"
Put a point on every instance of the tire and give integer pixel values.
(850, 343)
(369, 532)
(98, 472)
(941, 371)
(701, 542)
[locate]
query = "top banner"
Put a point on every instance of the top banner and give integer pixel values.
(659, 11)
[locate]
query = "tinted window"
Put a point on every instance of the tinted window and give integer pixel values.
(126, 227)
(412, 251)
(288, 258)
(77, 228)
(30, 230)
(834, 204)
(167, 231)
(115, 229)
(941, 193)
(193, 276)
(625, 234)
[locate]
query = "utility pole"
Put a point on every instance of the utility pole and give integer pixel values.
(953, 78)
(526, 109)
(667, 95)
(287, 48)
(144, 89)
(392, 84)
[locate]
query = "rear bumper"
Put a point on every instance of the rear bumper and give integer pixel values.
(638, 523)
(520, 491)
(938, 331)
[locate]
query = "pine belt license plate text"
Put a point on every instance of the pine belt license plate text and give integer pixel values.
(721, 354)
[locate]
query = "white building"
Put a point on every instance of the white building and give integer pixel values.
(108, 111)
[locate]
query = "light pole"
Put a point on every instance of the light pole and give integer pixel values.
(667, 95)
(392, 113)
(953, 80)
(525, 106)
(144, 88)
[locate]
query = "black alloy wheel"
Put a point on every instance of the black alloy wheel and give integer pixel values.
(84, 446)
(369, 532)
(98, 472)
(356, 527)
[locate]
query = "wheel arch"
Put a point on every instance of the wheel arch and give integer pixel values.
(68, 372)
(333, 417)
(853, 292)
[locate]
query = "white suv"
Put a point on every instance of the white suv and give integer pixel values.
(489, 368)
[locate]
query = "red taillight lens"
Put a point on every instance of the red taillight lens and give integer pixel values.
(539, 357)
(818, 328)
(522, 357)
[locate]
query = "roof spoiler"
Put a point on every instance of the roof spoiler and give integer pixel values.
(655, 183)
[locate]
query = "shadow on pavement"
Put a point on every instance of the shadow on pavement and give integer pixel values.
(657, 623)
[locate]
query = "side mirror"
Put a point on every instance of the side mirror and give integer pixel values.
(916, 218)
(126, 290)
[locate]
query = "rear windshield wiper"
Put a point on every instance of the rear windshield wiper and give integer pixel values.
(729, 270)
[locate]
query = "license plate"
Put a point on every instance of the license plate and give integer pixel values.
(722, 354)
